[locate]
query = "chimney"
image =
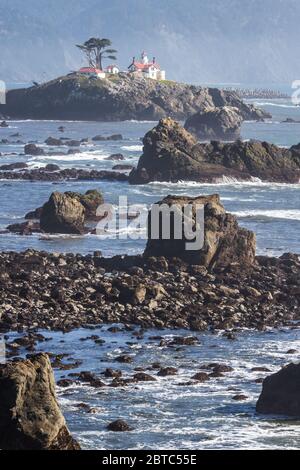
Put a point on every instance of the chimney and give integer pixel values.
(154, 60)
(133, 59)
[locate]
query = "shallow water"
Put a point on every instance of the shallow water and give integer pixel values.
(164, 414)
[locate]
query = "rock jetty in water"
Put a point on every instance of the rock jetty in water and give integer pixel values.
(171, 153)
(281, 393)
(126, 97)
(30, 417)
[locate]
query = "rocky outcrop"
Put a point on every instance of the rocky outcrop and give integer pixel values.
(171, 153)
(42, 289)
(215, 124)
(32, 149)
(76, 97)
(281, 393)
(48, 174)
(224, 242)
(30, 417)
(63, 213)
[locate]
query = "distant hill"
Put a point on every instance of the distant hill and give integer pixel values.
(195, 41)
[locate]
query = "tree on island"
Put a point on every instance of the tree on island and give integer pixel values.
(96, 49)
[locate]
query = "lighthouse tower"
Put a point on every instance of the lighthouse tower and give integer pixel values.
(144, 58)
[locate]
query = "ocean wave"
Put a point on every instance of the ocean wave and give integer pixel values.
(279, 105)
(133, 148)
(289, 214)
(73, 157)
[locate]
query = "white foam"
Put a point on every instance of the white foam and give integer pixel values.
(289, 214)
(98, 155)
(133, 148)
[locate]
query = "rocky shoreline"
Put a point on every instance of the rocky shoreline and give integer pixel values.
(67, 291)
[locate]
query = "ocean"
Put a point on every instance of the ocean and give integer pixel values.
(164, 413)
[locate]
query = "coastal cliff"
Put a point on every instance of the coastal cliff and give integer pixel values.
(119, 98)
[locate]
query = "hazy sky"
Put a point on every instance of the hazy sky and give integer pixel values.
(194, 40)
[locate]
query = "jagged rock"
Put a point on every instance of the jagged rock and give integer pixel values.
(91, 200)
(51, 167)
(102, 138)
(171, 153)
(62, 214)
(53, 142)
(30, 417)
(127, 98)
(115, 157)
(32, 149)
(13, 166)
(224, 242)
(119, 426)
(281, 392)
(216, 124)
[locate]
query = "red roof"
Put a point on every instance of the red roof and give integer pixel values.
(90, 70)
(140, 66)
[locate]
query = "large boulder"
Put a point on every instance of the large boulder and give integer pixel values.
(216, 123)
(281, 393)
(91, 200)
(30, 417)
(34, 150)
(63, 213)
(224, 242)
(171, 153)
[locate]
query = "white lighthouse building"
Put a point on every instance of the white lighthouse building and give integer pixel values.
(146, 68)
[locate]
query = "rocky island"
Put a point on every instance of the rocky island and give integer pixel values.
(119, 98)
(172, 154)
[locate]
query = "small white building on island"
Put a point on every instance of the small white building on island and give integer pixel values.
(112, 69)
(146, 68)
(92, 72)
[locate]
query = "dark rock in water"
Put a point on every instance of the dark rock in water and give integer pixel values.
(53, 142)
(119, 426)
(32, 149)
(13, 166)
(61, 129)
(142, 377)
(224, 242)
(101, 138)
(74, 174)
(112, 373)
(201, 377)
(30, 417)
(166, 371)
(122, 167)
(73, 143)
(171, 153)
(51, 167)
(215, 124)
(25, 228)
(281, 392)
(240, 397)
(127, 98)
(115, 157)
(36, 214)
(4, 124)
(62, 214)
